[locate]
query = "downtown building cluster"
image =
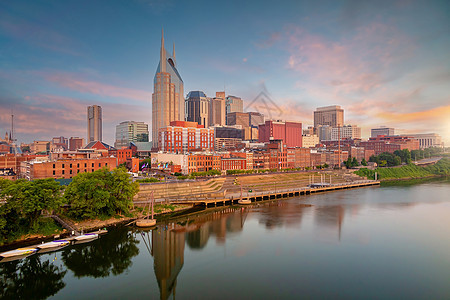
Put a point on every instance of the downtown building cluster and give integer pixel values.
(200, 133)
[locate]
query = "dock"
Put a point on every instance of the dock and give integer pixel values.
(233, 198)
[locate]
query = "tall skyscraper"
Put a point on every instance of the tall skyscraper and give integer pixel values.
(234, 104)
(197, 108)
(329, 115)
(217, 110)
(130, 131)
(168, 93)
(94, 116)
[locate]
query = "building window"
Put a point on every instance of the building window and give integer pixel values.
(54, 166)
(78, 165)
(71, 166)
(106, 164)
(63, 166)
(53, 172)
(70, 171)
(92, 164)
(99, 165)
(85, 165)
(63, 172)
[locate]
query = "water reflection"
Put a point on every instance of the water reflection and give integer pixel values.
(330, 216)
(31, 278)
(390, 227)
(166, 243)
(281, 213)
(112, 254)
(168, 253)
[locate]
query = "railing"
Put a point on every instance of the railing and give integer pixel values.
(64, 224)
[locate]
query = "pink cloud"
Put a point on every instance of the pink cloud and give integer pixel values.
(45, 116)
(92, 87)
(355, 64)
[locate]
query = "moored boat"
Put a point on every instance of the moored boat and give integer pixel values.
(244, 201)
(51, 246)
(17, 254)
(84, 238)
(146, 223)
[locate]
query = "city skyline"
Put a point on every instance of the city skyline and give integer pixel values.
(383, 64)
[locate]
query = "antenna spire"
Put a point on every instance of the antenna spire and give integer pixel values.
(163, 53)
(173, 52)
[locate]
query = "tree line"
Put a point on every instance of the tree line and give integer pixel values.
(99, 194)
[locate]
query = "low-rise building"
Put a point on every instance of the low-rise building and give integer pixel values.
(428, 140)
(64, 168)
(310, 141)
(390, 144)
(233, 163)
(345, 132)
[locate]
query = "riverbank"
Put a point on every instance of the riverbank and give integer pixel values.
(90, 225)
(406, 172)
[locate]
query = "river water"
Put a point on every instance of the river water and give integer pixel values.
(382, 242)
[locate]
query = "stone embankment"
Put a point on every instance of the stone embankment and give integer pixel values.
(223, 187)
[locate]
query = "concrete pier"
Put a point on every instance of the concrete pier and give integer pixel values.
(233, 198)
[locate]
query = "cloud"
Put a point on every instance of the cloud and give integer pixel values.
(434, 115)
(37, 35)
(92, 87)
(360, 62)
(43, 116)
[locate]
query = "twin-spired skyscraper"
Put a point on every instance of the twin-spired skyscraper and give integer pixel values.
(168, 93)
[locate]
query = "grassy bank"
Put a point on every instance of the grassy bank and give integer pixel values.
(441, 168)
(44, 227)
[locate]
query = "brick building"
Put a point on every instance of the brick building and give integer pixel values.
(203, 162)
(390, 144)
(65, 168)
(182, 136)
(289, 132)
(233, 163)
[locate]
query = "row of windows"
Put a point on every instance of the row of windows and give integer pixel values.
(71, 172)
(78, 165)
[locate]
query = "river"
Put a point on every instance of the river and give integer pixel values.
(391, 241)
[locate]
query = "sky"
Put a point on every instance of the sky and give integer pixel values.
(387, 63)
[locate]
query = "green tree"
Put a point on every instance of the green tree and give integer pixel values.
(364, 162)
(122, 190)
(355, 162)
(30, 198)
(348, 162)
(100, 193)
(397, 161)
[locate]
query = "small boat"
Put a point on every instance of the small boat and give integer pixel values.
(84, 238)
(17, 254)
(52, 246)
(147, 222)
(244, 201)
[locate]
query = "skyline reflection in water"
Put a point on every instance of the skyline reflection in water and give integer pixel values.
(389, 241)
